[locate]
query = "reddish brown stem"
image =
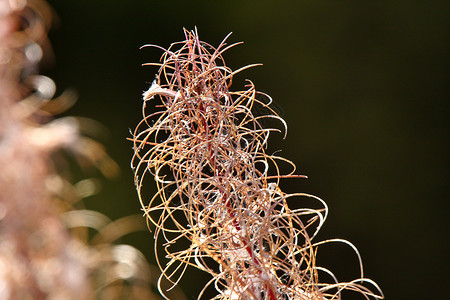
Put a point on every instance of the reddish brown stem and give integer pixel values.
(227, 203)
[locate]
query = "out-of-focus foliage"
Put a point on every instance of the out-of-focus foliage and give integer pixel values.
(46, 248)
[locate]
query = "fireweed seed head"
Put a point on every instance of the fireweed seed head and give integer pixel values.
(205, 146)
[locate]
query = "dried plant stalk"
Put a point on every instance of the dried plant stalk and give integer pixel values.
(45, 251)
(38, 257)
(217, 187)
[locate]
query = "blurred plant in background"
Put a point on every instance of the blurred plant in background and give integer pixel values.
(47, 250)
(218, 188)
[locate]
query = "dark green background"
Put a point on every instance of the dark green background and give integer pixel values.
(361, 84)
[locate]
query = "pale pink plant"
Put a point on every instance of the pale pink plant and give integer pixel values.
(45, 249)
(219, 189)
